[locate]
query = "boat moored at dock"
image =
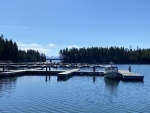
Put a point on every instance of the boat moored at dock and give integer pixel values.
(112, 72)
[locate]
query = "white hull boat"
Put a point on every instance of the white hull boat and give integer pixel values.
(112, 72)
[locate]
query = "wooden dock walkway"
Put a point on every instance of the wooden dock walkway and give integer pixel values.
(17, 72)
(88, 73)
(67, 73)
(12, 73)
(126, 75)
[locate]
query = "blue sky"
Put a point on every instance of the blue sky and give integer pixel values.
(51, 25)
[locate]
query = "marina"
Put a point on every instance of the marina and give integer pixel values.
(75, 56)
(80, 93)
(66, 71)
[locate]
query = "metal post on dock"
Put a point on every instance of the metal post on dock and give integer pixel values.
(93, 68)
(3, 68)
(8, 66)
(49, 67)
(46, 67)
(129, 69)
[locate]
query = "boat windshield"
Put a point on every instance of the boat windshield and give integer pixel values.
(111, 68)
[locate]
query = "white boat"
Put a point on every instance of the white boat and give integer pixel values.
(112, 72)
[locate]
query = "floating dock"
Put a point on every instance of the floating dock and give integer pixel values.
(12, 73)
(67, 73)
(126, 75)
(89, 73)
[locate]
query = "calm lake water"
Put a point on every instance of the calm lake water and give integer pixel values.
(84, 94)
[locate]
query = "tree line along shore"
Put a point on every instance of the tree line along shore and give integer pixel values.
(118, 55)
(9, 52)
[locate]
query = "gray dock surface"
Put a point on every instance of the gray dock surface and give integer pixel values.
(67, 73)
(82, 73)
(12, 73)
(126, 75)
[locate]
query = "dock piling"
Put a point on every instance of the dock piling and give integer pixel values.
(46, 67)
(129, 68)
(3, 68)
(49, 67)
(93, 68)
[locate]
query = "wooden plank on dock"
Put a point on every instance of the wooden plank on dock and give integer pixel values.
(130, 75)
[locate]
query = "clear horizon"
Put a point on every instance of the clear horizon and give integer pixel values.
(51, 25)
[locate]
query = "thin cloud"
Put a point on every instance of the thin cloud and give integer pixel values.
(51, 45)
(48, 50)
(17, 27)
(32, 46)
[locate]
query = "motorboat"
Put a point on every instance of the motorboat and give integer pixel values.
(111, 72)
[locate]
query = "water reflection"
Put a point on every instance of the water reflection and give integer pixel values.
(94, 79)
(111, 83)
(63, 78)
(111, 89)
(47, 78)
(7, 84)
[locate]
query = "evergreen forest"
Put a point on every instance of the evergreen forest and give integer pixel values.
(9, 52)
(118, 55)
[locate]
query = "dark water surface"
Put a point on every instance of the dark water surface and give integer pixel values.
(88, 94)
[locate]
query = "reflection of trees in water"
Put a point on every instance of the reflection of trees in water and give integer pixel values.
(7, 84)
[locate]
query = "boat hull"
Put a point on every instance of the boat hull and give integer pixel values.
(113, 75)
